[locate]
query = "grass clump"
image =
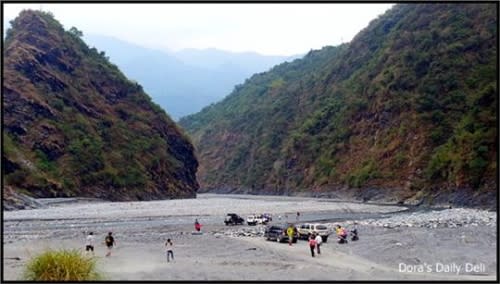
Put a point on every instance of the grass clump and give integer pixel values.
(62, 265)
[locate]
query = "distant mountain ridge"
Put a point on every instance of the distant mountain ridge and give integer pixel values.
(407, 112)
(184, 82)
(75, 126)
(213, 59)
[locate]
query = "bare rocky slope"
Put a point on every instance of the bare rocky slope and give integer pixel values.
(74, 125)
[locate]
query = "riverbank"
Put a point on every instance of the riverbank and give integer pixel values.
(441, 198)
(241, 253)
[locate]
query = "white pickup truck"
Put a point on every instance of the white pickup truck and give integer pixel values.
(253, 220)
(306, 229)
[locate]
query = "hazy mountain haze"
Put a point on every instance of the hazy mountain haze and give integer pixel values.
(183, 82)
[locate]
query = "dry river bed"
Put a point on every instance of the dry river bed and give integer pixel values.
(396, 243)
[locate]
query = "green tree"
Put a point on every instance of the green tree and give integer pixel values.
(76, 32)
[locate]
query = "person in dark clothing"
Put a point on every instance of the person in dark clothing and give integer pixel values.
(110, 242)
(354, 235)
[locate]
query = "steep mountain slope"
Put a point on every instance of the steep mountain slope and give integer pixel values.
(74, 125)
(406, 111)
(183, 82)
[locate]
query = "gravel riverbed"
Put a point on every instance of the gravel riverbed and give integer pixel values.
(392, 238)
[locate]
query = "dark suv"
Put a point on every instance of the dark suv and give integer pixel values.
(233, 219)
(277, 232)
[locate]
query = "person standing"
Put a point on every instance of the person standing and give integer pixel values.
(298, 216)
(170, 251)
(197, 225)
(110, 242)
(89, 245)
(318, 240)
(312, 243)
(290, 232)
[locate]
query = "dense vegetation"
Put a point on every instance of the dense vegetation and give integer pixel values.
(61, 265)
(409, 105)
(74, 125)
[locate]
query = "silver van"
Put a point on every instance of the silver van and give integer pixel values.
(306, 229)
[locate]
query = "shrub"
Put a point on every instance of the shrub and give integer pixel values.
(400, 159)
(62, 265)
(360, 176)
(16, 178)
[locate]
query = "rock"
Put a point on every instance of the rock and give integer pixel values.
(455, 217)
(13, 200)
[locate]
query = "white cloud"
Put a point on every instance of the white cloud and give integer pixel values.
(283, 29)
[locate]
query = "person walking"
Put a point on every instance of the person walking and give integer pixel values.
(170, 251)
(110, 242)
(318, 240)
(89, 244)
(312, 244)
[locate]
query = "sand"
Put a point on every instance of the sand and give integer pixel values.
(141, 229)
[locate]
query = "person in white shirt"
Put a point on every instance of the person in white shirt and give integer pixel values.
(170, 251)
(90, 243)
(319, 240)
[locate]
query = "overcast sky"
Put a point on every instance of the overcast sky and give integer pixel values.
(271, 29)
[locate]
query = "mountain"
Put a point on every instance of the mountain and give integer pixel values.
(405, 112)
(74, 125)
(215, 59)
(183, 82)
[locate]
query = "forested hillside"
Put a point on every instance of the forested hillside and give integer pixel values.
(407, 111)
(74, 125)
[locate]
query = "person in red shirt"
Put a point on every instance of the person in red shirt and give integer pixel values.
(312, 243)
(197, 225)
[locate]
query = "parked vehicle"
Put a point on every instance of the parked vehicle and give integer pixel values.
(268, 217)
(253, 220)
(233, 219)
(277, 232)
(306, 229)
